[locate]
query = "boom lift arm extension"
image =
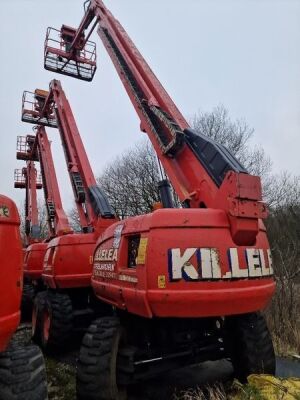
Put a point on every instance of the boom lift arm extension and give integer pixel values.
(202, 172)
(38, 149)
(26, 178)
(53, 109)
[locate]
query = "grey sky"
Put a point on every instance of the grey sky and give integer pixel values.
(242, 53)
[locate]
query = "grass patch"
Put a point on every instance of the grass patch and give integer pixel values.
(215, 392)
(244, 392)
(61, 380)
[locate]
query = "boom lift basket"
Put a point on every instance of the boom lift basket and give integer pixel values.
(32, 105)
(24, 148)
(20, 179)
(80, 63)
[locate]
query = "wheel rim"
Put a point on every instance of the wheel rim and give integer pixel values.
(46, 325)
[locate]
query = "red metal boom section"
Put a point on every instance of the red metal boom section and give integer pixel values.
(92, 205)
(38, 148)
(27, 178)
(195, 165)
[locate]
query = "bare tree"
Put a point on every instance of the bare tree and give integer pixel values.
(43, 223)
(217, 125)
(74, 220)
(236, 136)
(283, 227)
(282, 190)
(130, 181)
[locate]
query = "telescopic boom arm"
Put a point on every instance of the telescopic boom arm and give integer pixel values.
(203, 173)
(38, 148)
(26, 178)
(53, 109)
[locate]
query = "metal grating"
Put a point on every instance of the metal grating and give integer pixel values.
(31, 111)
(80, 65)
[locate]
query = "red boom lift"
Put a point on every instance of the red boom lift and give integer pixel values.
(68, 261)
(27, 178)
(22, 370)
(37, 148)
(186, 284)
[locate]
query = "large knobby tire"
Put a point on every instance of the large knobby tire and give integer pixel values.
(23, 374)
(56, 323)
(97, 364)
(252, 350)
(28, 295)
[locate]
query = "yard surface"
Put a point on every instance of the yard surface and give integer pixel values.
(178, 385)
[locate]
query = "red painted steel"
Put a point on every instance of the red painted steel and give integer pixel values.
(57, 219)
(189, 178)
(68, 259)
(28, 179)
(190, 262)
(148, 288)
(33, 260)
(38, 148)
(10, 271)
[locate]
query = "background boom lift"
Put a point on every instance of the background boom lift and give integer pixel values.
(33, 148)
(186, 284)
(37, 147)
(27, 178)
(68, 260)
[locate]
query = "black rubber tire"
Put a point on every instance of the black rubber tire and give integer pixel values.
(23, 374)
(97, 363)
(60, 309)
(38, 307)
(251, 346)
(28, 295)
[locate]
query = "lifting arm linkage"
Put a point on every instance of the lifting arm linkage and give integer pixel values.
(31, 200)
(57, 219)
(203, 173)
(27, 179)
(38, 148)
(93, 207)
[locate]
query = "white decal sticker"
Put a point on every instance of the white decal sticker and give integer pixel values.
(195, 264)
(254, 264)
(270, 260)
(106, 255)
(236, 271)
(181, 266)
(117, 236)
(128, 278)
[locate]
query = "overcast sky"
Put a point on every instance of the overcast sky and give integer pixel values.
(242, 53)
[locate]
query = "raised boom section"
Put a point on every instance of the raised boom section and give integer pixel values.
(27, 178)
(203, 173)
(93, 207)
(38, 148)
